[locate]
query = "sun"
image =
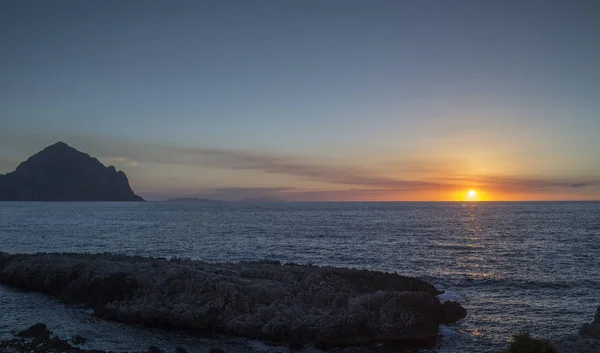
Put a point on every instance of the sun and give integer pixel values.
(472, 193)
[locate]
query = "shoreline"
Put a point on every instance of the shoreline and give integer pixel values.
(587, 340)
(290, 304)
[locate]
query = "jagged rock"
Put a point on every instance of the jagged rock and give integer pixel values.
(41, 342)
(180, 350)
(296, 345)
(524, 343)
(587, 341)
(62, 173)
(592, 330)
(39, 331)
(154, 349)
(78, 339)
(295, 304)
(452, 312)
(4, 258)
(57, 343)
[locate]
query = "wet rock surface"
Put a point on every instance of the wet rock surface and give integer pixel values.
(39, 331)
(292, 304)
(38, 339)
(587, 341)
(592, 330)
(452, 311)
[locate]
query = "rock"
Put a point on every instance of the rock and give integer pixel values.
(4, 258)
(292, 304)
(62, 173)
(216, 350)
(38, 331)
(154, 349)
(180, 350)
(78, 339)
(296, 345)
(587, 341)
(40, 343)
(524, 343)
(452, 312)
(592, 330)
(59, 344)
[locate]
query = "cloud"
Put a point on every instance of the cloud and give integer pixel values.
(533, 184)
(358, 179)
(120, 161)
(294, 166)
(330, 172)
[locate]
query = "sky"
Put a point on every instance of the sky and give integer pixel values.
(337, 100)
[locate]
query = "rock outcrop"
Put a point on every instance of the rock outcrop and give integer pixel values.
(587, 341)
(592, 330)
(452, 311)
(289, 303)
(38, 339)
(62, 173)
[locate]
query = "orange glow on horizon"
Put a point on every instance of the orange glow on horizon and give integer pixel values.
(472, 195)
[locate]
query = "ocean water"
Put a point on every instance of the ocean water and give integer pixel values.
(514, 266)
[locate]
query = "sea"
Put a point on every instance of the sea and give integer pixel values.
(515, 266)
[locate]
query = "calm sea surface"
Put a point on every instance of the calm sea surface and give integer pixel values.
(514, 266)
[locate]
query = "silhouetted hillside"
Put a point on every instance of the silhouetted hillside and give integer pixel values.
(62, 173)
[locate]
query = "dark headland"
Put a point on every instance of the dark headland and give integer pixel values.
(62, 173)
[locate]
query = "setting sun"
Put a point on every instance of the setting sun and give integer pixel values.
(472, 194)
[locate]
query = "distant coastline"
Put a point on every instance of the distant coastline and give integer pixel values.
(212, 201)
(193, 200)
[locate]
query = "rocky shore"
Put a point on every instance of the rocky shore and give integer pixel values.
(587, 341)
(289, 304)
(38, 339)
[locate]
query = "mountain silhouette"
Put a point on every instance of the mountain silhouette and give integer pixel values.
(62, 173)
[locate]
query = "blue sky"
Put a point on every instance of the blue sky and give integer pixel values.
(442, 96)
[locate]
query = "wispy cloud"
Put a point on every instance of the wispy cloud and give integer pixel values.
(524, 184)
(120, 161)
(359, 179)
(316, 169)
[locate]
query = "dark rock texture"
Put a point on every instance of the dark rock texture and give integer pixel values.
(38, 339)
(587, 341)
(524, 343)
(265, 300)
(452, 312)
(592, 330)
(38, 330)
(62, 173)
